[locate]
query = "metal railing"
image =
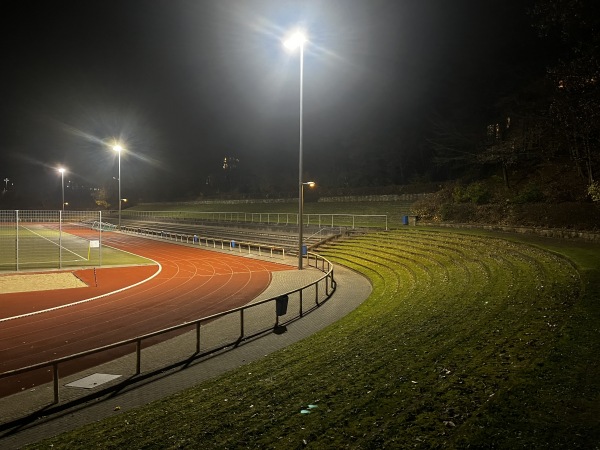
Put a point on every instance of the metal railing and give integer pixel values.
(210, 242)
(254, 319)
(270, 218)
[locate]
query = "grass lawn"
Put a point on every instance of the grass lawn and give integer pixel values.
(469, 339)
(43, 250)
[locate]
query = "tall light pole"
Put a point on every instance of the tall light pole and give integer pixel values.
(310, 184)
(62, 182)
(117, 148)
(294, 41)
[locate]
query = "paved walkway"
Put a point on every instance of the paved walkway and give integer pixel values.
(352, 290)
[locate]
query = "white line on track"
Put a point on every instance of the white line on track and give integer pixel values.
(87, 299)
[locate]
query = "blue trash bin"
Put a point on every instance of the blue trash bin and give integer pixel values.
(404, 220)
(304, 250)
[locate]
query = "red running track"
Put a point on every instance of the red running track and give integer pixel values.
(188, 283)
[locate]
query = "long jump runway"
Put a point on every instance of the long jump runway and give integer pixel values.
(186, 283)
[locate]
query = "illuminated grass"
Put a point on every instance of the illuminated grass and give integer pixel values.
(466, 340)
(43, 248)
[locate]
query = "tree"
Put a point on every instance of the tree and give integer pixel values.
(101, 197)
(575, 108)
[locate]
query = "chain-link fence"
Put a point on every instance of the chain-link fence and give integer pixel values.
(31, 240)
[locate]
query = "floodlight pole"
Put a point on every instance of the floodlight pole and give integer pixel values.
(119, 190)
(118, 149)
(62, 182)
(295, 40)
(300, 185)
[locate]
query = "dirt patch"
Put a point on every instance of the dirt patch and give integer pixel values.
(39, 282)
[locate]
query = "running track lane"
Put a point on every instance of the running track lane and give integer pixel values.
(192, 283)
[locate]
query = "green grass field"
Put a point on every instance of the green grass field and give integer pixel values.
(469, 339)
(40, 247)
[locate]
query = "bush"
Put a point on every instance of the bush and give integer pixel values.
(476, 193)
(529, 194)
(462, 213)
(594, 191)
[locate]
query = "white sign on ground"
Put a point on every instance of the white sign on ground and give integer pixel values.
(93, 380)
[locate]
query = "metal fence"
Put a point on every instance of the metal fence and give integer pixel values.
(50, 239)
(196, 339)
(321, 220)
(240, 247)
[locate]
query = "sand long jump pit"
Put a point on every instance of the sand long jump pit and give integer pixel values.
(31, 282)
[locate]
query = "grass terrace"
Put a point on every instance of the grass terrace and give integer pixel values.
(469, 339)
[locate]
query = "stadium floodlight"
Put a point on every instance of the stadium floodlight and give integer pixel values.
(296, 40)
(62, 179)
(117, 148)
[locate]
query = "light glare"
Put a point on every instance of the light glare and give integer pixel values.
(295, 40)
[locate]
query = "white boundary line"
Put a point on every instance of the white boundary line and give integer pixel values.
(6, 319)
(58, 245)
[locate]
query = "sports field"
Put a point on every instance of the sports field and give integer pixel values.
(469, 340)
(39, 245)
(176, 285)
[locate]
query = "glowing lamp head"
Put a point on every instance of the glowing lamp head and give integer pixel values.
(295, 40)
(61, 169)
(117, 148)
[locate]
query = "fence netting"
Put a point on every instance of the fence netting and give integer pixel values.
(31, 240)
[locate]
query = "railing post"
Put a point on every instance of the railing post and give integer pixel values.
(138, 356)
(198, 337)
(241, 323)
(317, 293)
(55, 381)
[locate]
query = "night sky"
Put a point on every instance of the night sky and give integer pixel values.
(183, 84)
